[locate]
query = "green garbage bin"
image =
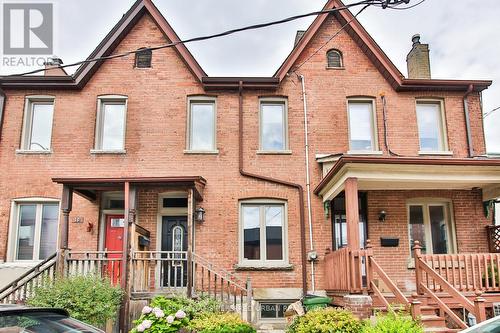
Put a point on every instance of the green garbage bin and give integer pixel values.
(316, 302)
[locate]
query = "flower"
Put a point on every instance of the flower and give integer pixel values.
(146, 309)
(140, 328)
(158, 312)
(170, 319)
(147, 323)
(180, 314)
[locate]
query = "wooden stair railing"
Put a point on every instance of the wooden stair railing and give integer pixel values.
(24, 286)
(400, 297)
(445, 308)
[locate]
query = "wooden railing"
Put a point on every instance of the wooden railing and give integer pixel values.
(23, 287)
(100, 263)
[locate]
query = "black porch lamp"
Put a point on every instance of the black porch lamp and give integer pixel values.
(199, 214)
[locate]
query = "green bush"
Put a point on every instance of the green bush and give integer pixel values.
(90, 299)
(220, 323)
(327, 320)
(394, 323)
(193, 308)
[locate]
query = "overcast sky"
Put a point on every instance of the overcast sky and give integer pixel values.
(461, 34)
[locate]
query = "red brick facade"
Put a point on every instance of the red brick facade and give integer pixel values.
(156, 140)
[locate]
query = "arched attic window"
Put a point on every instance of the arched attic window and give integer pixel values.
(334, 59)
(143, 58)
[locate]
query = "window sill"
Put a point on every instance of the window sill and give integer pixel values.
(270, 267)
(365, 152)
(201, 152)
(33, 152)
(116, 152)
(274, 152)
(437, 153)
(335, 68)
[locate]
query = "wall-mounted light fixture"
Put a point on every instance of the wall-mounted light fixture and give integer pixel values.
(199, 214)
(382, 215)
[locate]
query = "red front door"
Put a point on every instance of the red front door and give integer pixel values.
(114, 244)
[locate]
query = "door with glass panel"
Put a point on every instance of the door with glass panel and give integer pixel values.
(36, 236)
(174, 240)
(431, 225)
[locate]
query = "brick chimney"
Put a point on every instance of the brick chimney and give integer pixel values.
(419, 65)
(52, 67)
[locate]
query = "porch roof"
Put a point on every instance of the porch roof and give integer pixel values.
(412, 173)
(87, 187)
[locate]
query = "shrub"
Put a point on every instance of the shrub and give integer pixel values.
(193, 308)
(155, 320)
(327, 320)
(220, 323)
(394, 323)
(90, 299)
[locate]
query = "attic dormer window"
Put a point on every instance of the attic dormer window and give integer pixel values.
(334, 59)
(143, 58)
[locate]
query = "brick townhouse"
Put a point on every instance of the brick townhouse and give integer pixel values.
(148, 170)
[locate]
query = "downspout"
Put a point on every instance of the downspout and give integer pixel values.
(298, 187)
(3, 98)
(467, 121)
(308, 181)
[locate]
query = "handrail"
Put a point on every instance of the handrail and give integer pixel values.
(389, 283)
(20, 284)
(442, 305)
(380, 295)
(230, 276)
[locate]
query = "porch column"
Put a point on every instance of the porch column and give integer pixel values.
(66, 206)
(352, 212)
(190, 227)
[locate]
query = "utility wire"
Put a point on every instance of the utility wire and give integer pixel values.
(490, 112)
(225, 33)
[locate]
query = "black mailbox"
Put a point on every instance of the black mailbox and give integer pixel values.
(389, 242)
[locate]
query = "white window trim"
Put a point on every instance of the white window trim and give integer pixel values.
(27, 122)
(99, 123)
(444, 150)
(275, 100)
(425, 203)
(200, 99)
(14, 227)
(262, 262)
(375, 144)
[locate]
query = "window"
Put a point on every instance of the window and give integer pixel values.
(334, 59)
(34, 230)
(273, 310)
(431, 128)
(273, 125)
(38, 118)
(201, 124)
(143, 58)
(362, 126)
(110, 128)
(430, 224)
(263, 236)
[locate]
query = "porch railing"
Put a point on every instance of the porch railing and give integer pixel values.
(100, 263)
(24, 286)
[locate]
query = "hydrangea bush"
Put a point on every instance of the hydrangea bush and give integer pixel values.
(155, 320)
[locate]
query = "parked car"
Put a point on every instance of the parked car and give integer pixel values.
(17, 319)
(489, 326)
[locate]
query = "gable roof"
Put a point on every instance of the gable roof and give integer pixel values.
(85, 72)
(368, 45)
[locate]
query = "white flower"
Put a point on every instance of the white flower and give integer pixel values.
(147, 323)
(140, 328)
(170, 319)
(146, 309)
(180, 314)
(158, 312)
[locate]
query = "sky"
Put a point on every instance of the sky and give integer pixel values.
(460, 34)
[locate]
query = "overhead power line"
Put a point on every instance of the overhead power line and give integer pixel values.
(381, 3)
(490, 112)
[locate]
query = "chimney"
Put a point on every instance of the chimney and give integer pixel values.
(419, 65)
(52, 67)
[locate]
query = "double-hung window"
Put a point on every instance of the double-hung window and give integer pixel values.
(431, 126)
(362, 126)
(34, 230)
(273, 125)
(201, 124)
(430, 223)
(37, 129)
(111, 123)
(263, 233)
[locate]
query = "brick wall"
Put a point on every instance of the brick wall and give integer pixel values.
(156, 136)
